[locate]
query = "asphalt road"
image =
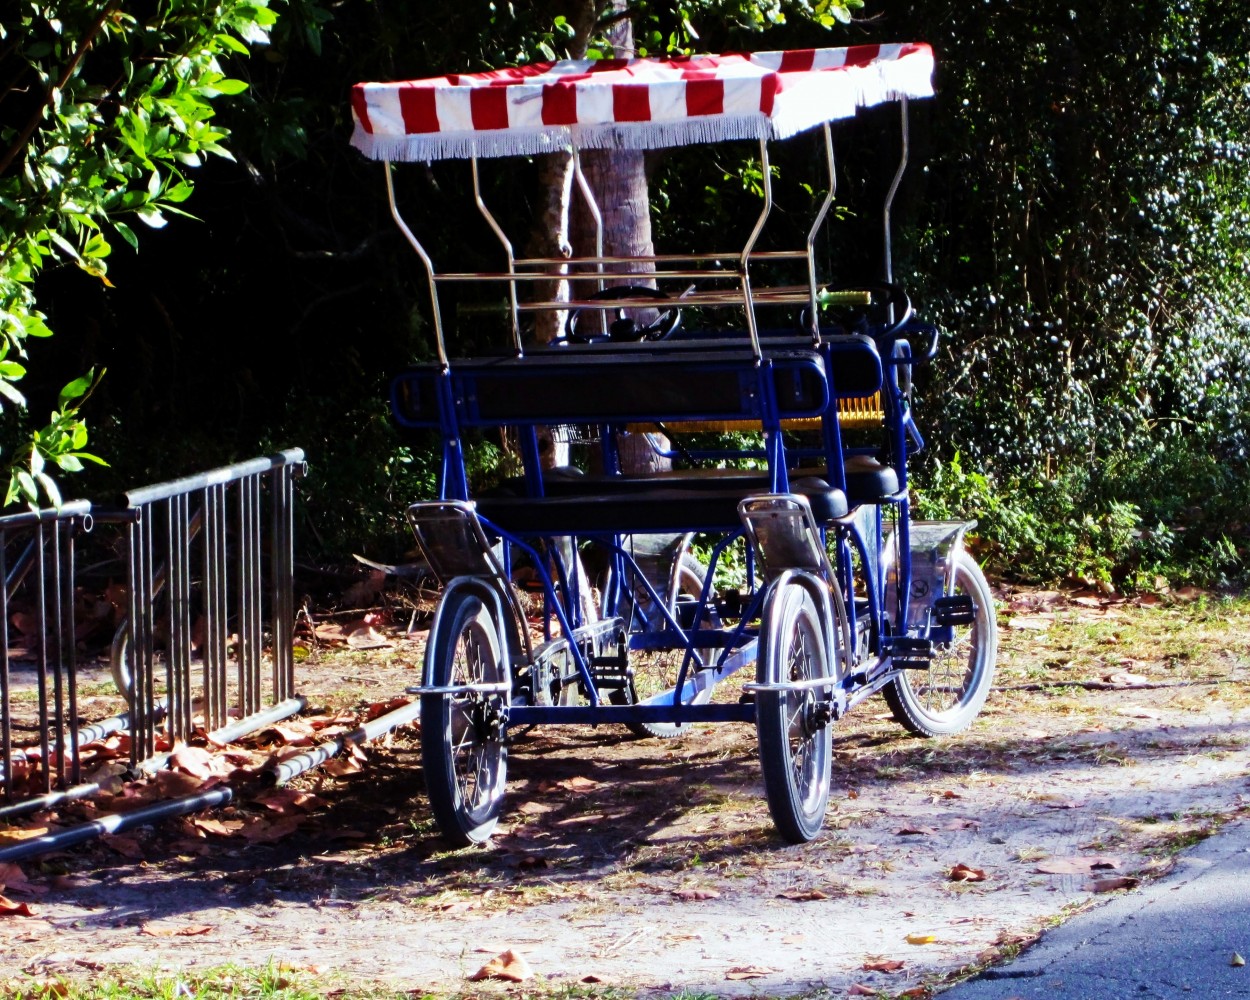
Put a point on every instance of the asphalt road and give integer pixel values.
(1177, 937)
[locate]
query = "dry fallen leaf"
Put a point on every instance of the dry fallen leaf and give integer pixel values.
(127, 847)
(367, 638)
(802, 895)
(921, 938)
(1127, 680)
(1139, 712)
(883, 965)
(749, 972)
(342, 767)
(687, 895)
(915, 831)
(175, 783)
(8, 908)
(222, 828)
(962, 873)
(509, 966)
(860, 990)
(16, 834)
(262, 831)
(187, 930)
(13, 879)
(195, 761)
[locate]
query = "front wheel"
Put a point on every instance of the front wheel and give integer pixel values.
(462, 749)
(794, 727)
(945, 698)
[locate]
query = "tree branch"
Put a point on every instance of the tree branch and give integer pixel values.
(24, 136)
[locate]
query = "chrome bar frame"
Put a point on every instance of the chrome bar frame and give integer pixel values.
(498, 688)
(507, 249)
(440, 342)
(889, 198)
(751, 687)
(814, 231)
(744, 259)
(592, 206)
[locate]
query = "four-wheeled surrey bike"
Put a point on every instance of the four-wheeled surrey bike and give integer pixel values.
(838, 594)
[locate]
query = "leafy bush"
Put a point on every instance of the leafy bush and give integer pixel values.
(1087, 194)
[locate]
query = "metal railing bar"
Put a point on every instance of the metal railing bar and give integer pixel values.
(42, 659)
(29, 518)
(657, 258)
(117, 822)
(226, 474)
(293, 766)
(57, 637)
(6, 719)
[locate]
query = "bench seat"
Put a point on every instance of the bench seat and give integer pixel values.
(610, 505)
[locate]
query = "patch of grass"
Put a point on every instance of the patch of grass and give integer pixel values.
(229, 982)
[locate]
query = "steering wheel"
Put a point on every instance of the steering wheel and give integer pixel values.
(624, 327)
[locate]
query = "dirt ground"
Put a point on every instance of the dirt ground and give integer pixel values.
(1119, 733)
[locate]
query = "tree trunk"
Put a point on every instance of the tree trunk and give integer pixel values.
(618, 179)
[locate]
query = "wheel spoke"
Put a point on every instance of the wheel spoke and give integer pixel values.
(460, 734)
(946, 697)
(795, 741)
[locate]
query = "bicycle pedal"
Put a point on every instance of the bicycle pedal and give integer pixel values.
(909, 653)
(955, 610)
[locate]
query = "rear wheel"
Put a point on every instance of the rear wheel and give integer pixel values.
(945, 698)
(462, 748)
(794, 727)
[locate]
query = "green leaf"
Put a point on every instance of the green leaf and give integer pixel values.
(75, 390)
(97, 246)
(152, 217)
(50, 488)
(26, 482)
(231, 43)
(126, 233)
(9, 392)
(230, 87)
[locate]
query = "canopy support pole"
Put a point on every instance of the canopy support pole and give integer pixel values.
(507, 248)
(583, 185)
(812, 233)
(744, 259)
(889, 198)
(425, 259)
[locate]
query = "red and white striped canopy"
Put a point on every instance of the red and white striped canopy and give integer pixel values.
(632, 104)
